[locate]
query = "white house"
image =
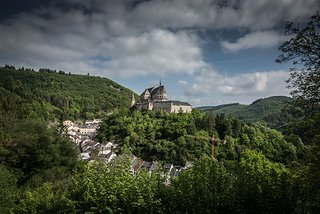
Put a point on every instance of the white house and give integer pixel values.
(67, 123)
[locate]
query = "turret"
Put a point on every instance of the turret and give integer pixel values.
(133, 101)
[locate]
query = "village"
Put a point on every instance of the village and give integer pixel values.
(83, 136)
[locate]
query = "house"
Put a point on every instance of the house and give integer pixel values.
(167, 167)
(72, 130)
(136, 163)
(88, 145)
(87, 130)
(170, 171)
(67, 123)
(155, 99)
(85, 156)
(107, 148)
(75, 138)
(93, 122)
(107, 157)
(188, 164)
(149, 166)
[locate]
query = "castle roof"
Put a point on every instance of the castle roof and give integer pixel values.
(174, 102)
(154, 93)
(159, 89)
(154, 90)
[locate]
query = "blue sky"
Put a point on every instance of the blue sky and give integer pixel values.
(206, 52)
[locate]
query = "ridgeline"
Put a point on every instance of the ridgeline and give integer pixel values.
(268, 110)
(52, 95)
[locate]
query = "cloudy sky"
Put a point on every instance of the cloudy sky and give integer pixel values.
(206, 52)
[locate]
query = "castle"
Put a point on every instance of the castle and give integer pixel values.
(155, 99)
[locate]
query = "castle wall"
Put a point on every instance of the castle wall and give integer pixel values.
(144, 106)
(162, 106)
(171, 107)
(180, 108)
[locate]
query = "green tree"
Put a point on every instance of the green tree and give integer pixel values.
(304, 49)
(223, 125)
(112, 188)
(38, 154)
(210, 122)
(47, 198)
(9, 192)
(207, 187)
(263, 186)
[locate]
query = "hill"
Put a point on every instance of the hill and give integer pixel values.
(55, 95)
(214, 108)
(262, 110)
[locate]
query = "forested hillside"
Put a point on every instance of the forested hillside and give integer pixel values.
(256, 169)
(267, 110)
(52, 95)
(176, 138)
(32, 154)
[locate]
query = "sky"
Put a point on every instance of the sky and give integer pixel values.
(205, 52)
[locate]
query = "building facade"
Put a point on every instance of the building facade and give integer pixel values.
(155, 99)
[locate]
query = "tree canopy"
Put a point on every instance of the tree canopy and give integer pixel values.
(303, 48)
(56, 96)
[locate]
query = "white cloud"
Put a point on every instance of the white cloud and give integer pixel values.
(195, 101)
(215, 88)
(156, 52)
(265, 39)
(226, 89)
(99, 44)
(182, 82)
(127, 38)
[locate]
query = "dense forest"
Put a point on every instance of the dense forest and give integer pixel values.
(57, 96)
(271, 111)
(159, 136)
(255, 169)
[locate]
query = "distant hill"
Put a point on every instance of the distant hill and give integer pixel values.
(263, 110)
(55, 95)
(215, 108)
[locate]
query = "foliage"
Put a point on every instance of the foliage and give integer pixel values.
(179, 137)
(156, 135)
(207, 187)
(57, 96)
(47, 198)
(9, 192)
(253, 185)
(304, 49)
(112, 188)
(214, 108)
(256, 169)
(268, 110)
(37, 153)
(264, 187)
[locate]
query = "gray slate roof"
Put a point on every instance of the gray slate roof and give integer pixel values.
(174, 102)
(154, 90)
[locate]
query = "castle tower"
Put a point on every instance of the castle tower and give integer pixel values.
(133, 101)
